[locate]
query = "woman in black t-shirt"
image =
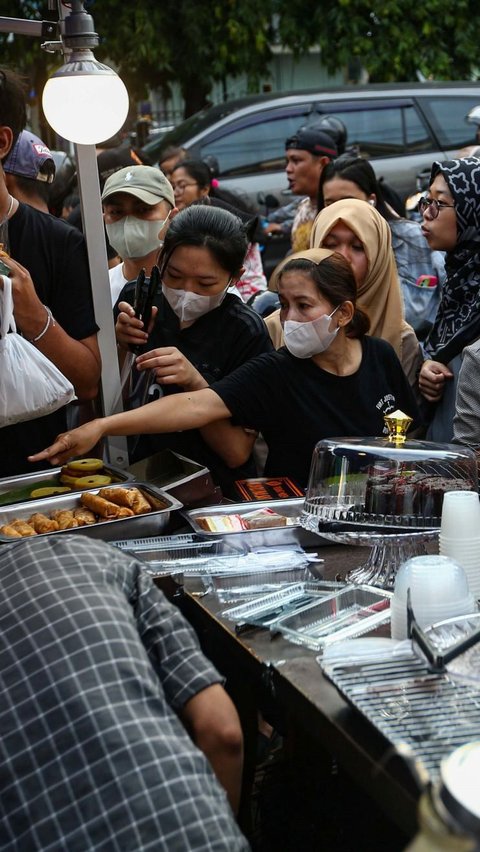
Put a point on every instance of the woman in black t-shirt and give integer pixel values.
(329, 380)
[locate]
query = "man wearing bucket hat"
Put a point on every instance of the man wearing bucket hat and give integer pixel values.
(29, 170)
(137, 202)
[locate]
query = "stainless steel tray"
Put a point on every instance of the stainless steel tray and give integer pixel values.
(187, 480)
(270, 536)
(151, 523)
(29, 480)
(352, 612)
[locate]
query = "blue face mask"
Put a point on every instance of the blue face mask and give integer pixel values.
(305, 339)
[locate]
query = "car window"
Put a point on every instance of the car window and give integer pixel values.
(447, 117)
(256, 144)
(385, 130)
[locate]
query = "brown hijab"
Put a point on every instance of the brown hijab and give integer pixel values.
(380, 295)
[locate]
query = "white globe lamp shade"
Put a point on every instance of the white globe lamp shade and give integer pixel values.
(85, 102)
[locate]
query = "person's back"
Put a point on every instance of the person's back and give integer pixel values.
(96, 667)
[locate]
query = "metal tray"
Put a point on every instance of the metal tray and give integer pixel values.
(351, 612)
(269, 536)
(187, 480)
(140, 525)
(29, 480)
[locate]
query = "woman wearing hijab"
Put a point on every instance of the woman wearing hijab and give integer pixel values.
(357, 231)
(451, 222)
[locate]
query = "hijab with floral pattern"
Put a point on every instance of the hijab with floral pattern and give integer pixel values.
(457, 323)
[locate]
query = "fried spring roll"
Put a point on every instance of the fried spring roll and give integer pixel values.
(108, 511)
(130, 497)
(42, 524)
(85, 517)
(22, 527)
(65, 519)
(9, 530)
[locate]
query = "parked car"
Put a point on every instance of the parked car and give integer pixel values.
(402, 128)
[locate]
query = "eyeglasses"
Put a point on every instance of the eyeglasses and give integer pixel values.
(433, 206)
(181, 187)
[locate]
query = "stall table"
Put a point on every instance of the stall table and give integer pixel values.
(286, 679)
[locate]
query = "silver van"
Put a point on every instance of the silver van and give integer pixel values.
(401, 127)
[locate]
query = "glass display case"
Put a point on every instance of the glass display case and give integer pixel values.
(386, 493)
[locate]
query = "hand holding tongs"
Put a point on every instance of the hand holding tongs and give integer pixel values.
(143, 299)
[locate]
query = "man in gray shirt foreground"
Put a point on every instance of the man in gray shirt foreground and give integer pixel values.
(101, 678)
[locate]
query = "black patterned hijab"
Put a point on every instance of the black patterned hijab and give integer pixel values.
(457, 323)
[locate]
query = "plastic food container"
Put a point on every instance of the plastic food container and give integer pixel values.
(351, 612)
(148, 524)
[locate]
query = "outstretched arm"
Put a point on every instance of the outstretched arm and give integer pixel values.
(169, 414)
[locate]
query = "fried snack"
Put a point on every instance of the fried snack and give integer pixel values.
(108, 511)
(42, 524)
(9, 530)
(22, 527)
(65, 519)
(130, 497)
(85, 517)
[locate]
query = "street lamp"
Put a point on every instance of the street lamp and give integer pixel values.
(84, 101)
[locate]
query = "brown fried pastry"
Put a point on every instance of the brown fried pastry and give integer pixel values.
(85, 517)
(42, 524)
(65, 519)
(10, 531)
(130, 497)
(22, 527)
(107, 510)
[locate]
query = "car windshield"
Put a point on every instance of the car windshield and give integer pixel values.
(188, 128)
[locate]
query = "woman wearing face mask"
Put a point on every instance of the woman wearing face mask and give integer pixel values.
(451, 222)
(330, 379)
(192, 183)
(356, 230)
(199, 333)
(138, 202)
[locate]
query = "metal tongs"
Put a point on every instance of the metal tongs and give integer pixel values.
(143, 299)
(436, 659)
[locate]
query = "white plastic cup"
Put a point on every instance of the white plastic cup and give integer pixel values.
(460, 515)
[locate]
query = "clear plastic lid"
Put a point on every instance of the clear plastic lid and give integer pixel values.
(385, 482)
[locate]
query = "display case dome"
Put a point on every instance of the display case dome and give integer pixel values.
(384, 483)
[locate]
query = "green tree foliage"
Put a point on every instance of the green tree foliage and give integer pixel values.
(393, 38)
(154, 44)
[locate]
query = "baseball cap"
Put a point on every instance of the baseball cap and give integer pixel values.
(309, 138)
(145, 182)
(30, 158)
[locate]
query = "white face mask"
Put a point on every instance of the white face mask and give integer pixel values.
(133, 237)
(190, 306)
(305, 339)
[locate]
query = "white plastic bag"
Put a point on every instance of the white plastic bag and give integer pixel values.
(30, 384)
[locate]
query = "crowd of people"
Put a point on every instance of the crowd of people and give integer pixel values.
(375, 313)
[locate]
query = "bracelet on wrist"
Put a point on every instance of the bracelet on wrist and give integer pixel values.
(50, 322)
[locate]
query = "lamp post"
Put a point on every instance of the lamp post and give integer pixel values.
(86, 102)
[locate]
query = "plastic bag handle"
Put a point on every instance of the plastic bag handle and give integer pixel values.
(6, 308)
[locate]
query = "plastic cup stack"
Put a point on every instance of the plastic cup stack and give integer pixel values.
(460, 534)
(438, 589)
